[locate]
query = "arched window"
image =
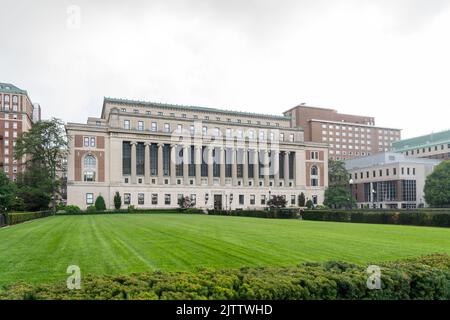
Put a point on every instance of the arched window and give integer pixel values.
(90, 168)
(314, 176)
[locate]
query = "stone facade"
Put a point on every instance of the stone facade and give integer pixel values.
(152, 154)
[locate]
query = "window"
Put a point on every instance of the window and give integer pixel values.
(251, 134)
(263, 199)
(228, 133)
(166, 127)
(179, 128)
(136, 111)
(193, 198)
(140, 198)
(126, 124)
(14, 134)
(291, 137)
(123, 110)
(86, 141)
(252, 199)
(205, 130)
(127, 198)
(241, 199)
(293, 199)
(167, 199)
(90, 168)
(314, 176)
(154, 126)
(141, 125)
(154, 198)
(89, 198)
(314, 155)
(14, 125)
(92, 142)
(192, 129)
(160, 113)
(281, 136)
(261, 135)
(216, 132)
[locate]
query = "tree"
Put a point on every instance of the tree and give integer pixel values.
(7, 192)
(437, 186)
(309, 204)
(277, 202)
(301, 200)
(34, 187)
(100, 203)
(44, 147)
(117, 200)
(338, 193)
(185, 203)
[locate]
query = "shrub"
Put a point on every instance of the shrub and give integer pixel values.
(18, 217)
(100, 203)
(425, 217)
(72, 209)
(91, 209)
(131, 208)
(301, 200)
(420, 278)
(310, 204)
(117, 200)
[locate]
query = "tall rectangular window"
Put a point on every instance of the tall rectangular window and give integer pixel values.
(166, 127)
(154, 159)
(154, 198)
(127, 198)
(126, 158)
(167, 199)
(126, 124)
(89, 198)
(166, 160)
(141, 125)
(154, 126)
(92, 142)
(241, 199)
(86, 141)
(140, 158)
(141, 198)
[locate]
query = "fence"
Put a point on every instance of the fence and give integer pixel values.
(3, 220)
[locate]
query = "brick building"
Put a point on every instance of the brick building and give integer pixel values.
(348, 136)
(16, 116)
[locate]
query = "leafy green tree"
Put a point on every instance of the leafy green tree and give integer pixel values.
(185, 203)
(338, 193)
(117, 200)
(301, 200)
(437, 186)
(309, 204)
(100, 203)
(277, 202)
(7, 192)
(44, 147)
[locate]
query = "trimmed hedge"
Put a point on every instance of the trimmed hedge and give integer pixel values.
(270, 214)
(432, 218)
(421, 278)
(19, 217)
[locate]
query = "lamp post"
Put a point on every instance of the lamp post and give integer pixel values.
(350, 183)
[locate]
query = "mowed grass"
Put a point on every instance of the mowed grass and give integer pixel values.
(41, 250)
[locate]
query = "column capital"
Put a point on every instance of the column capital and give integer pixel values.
(133, 143)
(160, 144)
(147, 144)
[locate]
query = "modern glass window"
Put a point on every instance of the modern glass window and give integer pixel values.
(89, 198)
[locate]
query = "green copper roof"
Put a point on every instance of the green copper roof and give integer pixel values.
(9, 88)
(422, 141)
(194, 108)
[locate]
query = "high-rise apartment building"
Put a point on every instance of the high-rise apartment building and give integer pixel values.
(348, 136)
(16, 116)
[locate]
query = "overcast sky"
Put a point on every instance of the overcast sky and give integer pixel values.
(388, 58)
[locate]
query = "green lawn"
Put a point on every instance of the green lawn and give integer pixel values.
(41, 250)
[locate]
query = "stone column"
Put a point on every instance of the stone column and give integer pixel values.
(234, 166)
(173, 176)
(286, 168)
(256, 168)
(210, 166)
(276, 168)
(147, 163)
(186, 159)
(133, 162)
(245, 167)
(222, 165)
(198, 163)
(266, 171)
(160, 164)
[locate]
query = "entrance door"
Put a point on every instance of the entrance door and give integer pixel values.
(217, 202)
